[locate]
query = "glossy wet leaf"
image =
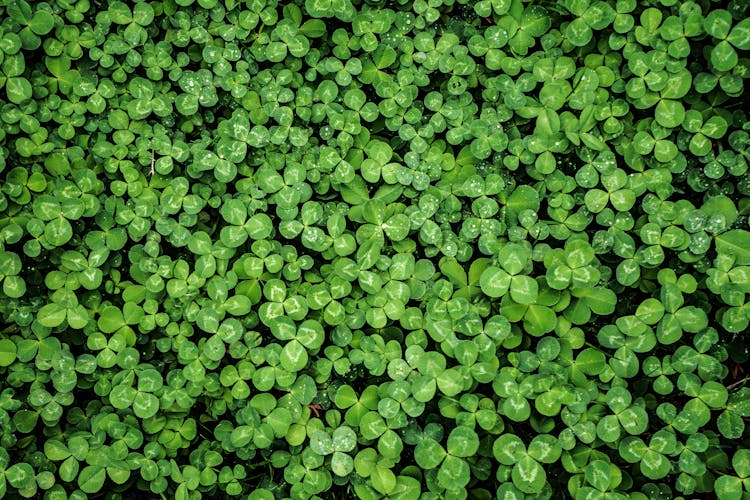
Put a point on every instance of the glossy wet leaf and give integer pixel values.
(384, 250)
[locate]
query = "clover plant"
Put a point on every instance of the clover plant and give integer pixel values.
(416, 249)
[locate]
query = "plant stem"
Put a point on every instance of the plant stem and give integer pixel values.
(739, 382)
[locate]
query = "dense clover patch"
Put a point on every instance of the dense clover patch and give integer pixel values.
(366, 249)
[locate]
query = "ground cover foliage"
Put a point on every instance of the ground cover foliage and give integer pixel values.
(339, 249)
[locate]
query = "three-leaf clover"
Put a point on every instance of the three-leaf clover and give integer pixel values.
(652, 458)
(718, 24)
(527, 473)
(497, 280)
(453, 469)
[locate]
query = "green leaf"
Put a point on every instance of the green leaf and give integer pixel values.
(728, 488)
(149, 380)
(25, 420)
(321, 443)
(654, 465)
(632, 449)
(42, 22)
(145, 405)
(600, 300)
(598, 475)
(51, 315)
(723, 56)
(122, 396)
(539, 320)
(678, 85)
(578, 32)
(545, 448)
(494, 282)
(58, 231)
(528, 476)
(383, 479)
(634, 420)
(524, 289)
(18, 89)
(717, 23)
(68, 470)
(241, 436)
(234, 212)
(508, 449)
(741, 462)
(669, 113)
(713, 394)
(344, 439)
(740, 35)
(730, 425)
(513, 258)
(342, 464)
(535, 21)
(91, 479)
(524, 197)
(590, 361)
(110, 319)
(294, 356)
(596, 200)
(259, 226)
(454, 473)
(463, 442)
(516, 408)
(143, 14)
(55, 450)
(313, 28)
(7, 352)
(429, 453)
(735, 243)
(696, 413)
(20, 475)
